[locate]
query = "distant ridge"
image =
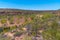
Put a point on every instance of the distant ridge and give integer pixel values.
(21, 11)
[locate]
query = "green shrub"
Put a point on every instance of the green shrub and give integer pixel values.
(3, 21)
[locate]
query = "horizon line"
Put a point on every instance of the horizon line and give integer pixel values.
(29, 9)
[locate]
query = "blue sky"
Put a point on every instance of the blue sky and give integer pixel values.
(31, 4)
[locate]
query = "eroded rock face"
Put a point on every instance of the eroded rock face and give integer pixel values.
(9, 34)
(14, 21)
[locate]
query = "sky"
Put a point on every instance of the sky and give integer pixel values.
(31, 4)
